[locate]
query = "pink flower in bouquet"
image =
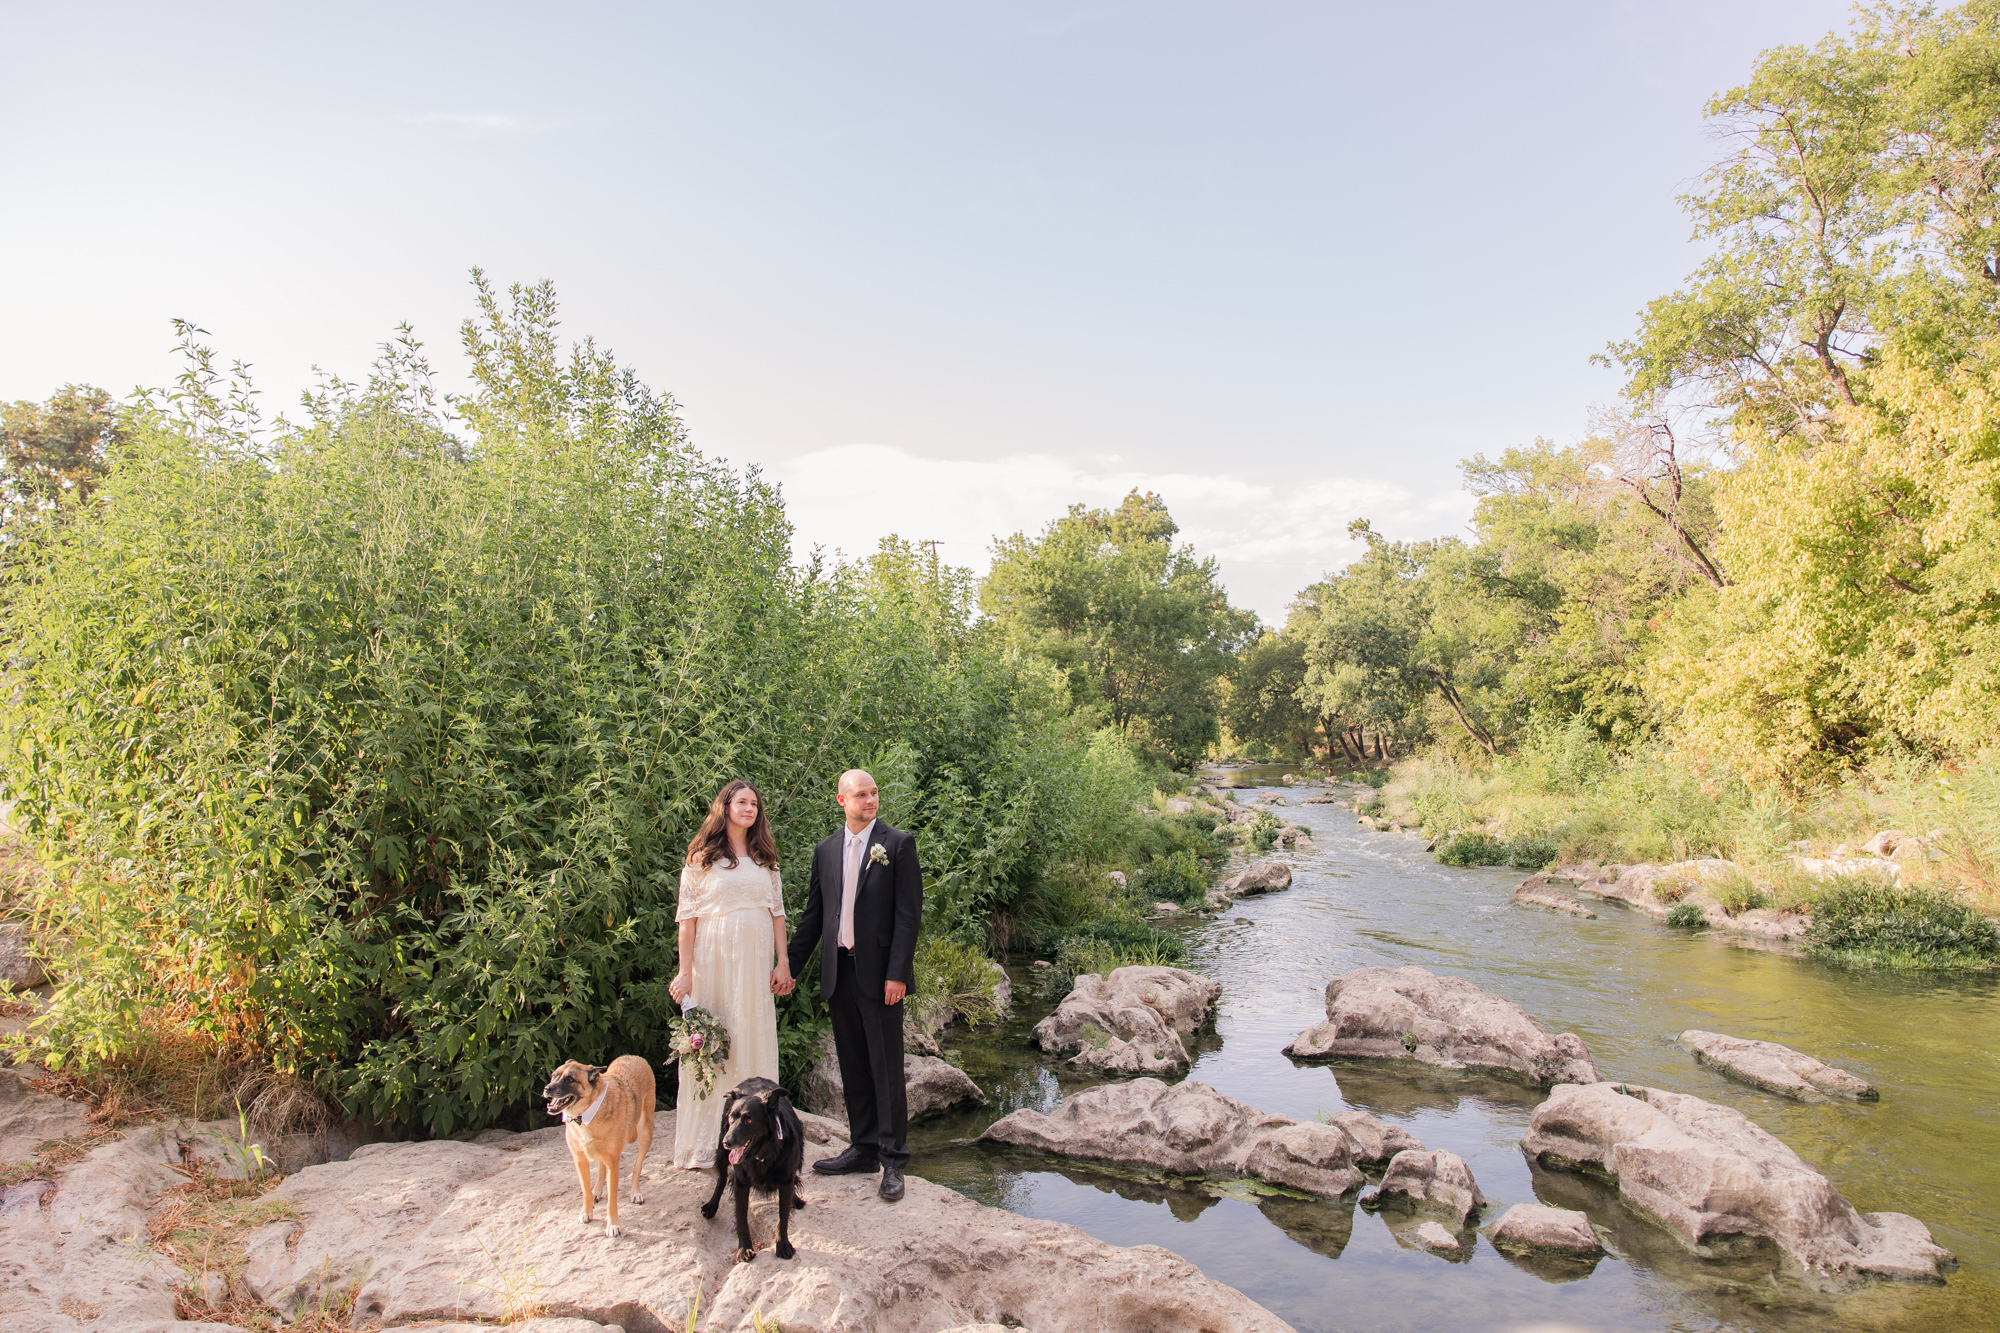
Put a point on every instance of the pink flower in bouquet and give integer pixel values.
(694, 1042)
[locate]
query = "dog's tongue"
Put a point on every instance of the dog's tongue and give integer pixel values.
(735, 1155)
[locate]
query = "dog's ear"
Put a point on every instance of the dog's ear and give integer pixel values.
(597, 1072)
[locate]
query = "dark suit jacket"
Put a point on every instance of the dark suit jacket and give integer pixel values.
(888, 912)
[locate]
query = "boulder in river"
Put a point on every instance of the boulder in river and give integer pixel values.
(1540, 1228)
(443, 1230)
(1429, 1179)
(1712, 1176)
(1369, 1139)
(1134, 1021)
(1188, 1129)
(1409, 1013)
(1263, 877)
(1775, 1068)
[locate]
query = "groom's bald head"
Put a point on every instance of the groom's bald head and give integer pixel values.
(858, 798)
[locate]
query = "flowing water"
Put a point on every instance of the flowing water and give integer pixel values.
(1624, 983)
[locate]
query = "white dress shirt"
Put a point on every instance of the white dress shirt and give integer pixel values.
(850, 879)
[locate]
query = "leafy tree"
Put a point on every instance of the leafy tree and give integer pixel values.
(1264, 700)
(54, 454)
(1140, 626)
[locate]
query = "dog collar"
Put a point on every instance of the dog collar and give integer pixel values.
(584, 1119)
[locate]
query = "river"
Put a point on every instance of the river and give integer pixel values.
(1624, 983)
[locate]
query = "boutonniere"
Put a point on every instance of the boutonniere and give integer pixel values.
(876, 856)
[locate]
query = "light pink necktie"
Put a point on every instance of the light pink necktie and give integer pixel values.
(849, 878)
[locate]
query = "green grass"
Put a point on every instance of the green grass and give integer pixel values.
(1483, 849)
(1686, 916)
(1869, 924)
(1181, 877)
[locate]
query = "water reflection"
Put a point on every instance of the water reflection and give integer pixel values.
(1623, 983)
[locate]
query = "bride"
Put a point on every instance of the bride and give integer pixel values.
(732, 928)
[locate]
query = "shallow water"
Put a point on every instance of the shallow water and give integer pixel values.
(1624, 983)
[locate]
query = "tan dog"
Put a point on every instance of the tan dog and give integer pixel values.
(603, 1109)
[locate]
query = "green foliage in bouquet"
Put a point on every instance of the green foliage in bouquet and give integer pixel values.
(701, 1044)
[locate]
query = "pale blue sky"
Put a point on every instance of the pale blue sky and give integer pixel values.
(939, 267)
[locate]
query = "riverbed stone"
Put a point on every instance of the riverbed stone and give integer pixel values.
(1372, 1140)
(1136, 1020)
(1189, 1129)
(1432, 1236)
(1540, 1228)
(1711, 1175)
(449, 1231)
(1410, 1013)
(1775, 1068)
(1432, 1179)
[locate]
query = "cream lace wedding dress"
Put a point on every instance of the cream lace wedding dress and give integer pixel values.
(733, 959)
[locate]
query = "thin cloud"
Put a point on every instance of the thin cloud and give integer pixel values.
(1271, 536)
(477, 121)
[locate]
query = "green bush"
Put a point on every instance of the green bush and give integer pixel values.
(1873, 924)
(1106, 946)
(373, 750)
(1530, 853)
(1686, 916)
(1473, 849)
(1736, 893)
(1180, 878)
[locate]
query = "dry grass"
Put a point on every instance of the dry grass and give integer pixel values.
(200, 1227)
(169, 1071)
(55, 1154)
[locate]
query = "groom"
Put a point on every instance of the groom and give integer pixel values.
(864, 908)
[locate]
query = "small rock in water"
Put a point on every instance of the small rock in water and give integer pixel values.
(1166, 909)
(1435, 1237)
(1535, 1226)
(1436, 1179)
(1775, 1068)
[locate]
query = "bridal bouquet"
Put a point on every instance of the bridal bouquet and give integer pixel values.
(701, 1044)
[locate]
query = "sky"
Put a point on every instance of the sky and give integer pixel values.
(941, 270)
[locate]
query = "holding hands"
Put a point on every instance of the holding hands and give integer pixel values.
(781, 977)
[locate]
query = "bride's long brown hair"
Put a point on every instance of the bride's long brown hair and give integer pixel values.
(712, 842)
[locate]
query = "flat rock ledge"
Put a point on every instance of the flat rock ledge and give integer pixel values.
(1642, 886)
(1540, 891)
(455, 1231)
(1712, 1176)
(1409, 1013)
(1135, 1020)
(1775, 1068)
(1437, 1181)
(1190, 1129)
(1540, 1229)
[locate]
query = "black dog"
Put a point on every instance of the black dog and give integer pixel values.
(762, 1146)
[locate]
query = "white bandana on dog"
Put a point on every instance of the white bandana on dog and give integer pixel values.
(585, 1117)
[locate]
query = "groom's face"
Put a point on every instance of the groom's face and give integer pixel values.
(860, 800)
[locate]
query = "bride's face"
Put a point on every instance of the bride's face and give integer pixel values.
(743, 809)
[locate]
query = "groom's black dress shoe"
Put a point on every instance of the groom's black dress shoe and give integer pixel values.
(892, 1183)
(847, 1163)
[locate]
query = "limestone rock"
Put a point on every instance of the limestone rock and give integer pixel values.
(1775, 1068)
(1263, 877)
(1117, 878)
(1134, 1021)
(448, 1231)
(28, 1117)
(1166, 909)
(1535, 1226)
(930, 1084)
(1709, 1173)
(1539, 891)
(1408, 1013)
(18, 964)
(1435, 1179)
(1189, 1129)
(1372, 1140)
(75, 1247)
